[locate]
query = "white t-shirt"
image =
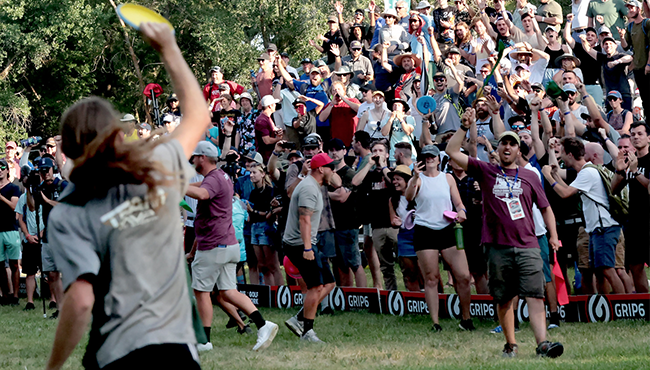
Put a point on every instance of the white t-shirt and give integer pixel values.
(591, 187)
(576, 113)
(537, 69)
(417, 117)
(579, 10)
(540, 225)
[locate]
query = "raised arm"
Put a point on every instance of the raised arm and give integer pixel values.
(285, 75)
(535, 105)
(456, 141)
(196, 118)
(566, 32)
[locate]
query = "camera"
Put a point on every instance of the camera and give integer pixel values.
(232, 168)
(32, 178)
(288, 145)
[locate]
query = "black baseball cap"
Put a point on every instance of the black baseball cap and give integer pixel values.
(336, 144)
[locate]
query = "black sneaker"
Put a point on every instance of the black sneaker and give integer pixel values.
(467, 325)
(232, 323)
(510, 350)
(245, 330)
(29, 306)
(55, 315)
(437, 328)
(52, 305)
(549, 349)
(14, 301)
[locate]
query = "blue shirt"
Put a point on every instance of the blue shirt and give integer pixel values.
(314, 92)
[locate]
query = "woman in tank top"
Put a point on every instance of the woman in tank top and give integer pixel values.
(370, 122)
(434, 193)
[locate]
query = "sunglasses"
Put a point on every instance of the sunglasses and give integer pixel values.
(537, 90)
(484, 71)
(570, 93)
(399, 7)
(356, 49)
(3, 167)
(612, 98)
(437, 79)
(518, 127)
(414, 21)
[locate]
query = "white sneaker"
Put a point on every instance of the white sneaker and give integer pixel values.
(295, 325)
(204, 347)
(310, 336)
(552, 326)
(265, 336)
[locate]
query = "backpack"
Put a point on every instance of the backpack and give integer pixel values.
(619, 204)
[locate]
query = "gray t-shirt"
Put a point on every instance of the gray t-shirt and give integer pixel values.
(307, 194)
(133, 256)
(446, 115)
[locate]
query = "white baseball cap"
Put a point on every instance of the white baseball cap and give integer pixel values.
(268, 100)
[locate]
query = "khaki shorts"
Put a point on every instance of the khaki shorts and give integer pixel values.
(215, 266)
(583, 250)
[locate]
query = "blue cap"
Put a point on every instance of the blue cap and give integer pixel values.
(45, 162)
(615, 94)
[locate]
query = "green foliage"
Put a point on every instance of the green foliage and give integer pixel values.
(54, 52)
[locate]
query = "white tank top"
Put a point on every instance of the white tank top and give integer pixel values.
(373, 126)
(433, 199)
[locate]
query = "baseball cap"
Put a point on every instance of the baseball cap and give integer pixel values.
(355, 45)
(321, 160)
(615, 94)
(11, 144)
(430, 150)
(224, 87)
(268, 100)
(453, 50)
(284, 54)
(510, 135)
(523, 66)
(633, 3)
(539, 86)
(145, 126)
(315, 135)
(332, 19)
(207, 149)
(306, 60)
(294, 154)
(378, 92)
(608, 38)
(128, 118)
(246, 95)
(310, 142)
(439, 74)
(336, 144)
(549, 28)
(44, 163)
(569, 87)
(215, 69)
(319, 63)
(604, 29)
(254, 156)
(264, 56)
(172, 97)
(423, 5)
(168, 118)
(272, 47)
(50, 142)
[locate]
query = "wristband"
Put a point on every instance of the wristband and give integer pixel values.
(585, 97)
(383, 168)
(308, 250)
(566, 113)
(464, 210)
(648, 64)
(606, 138)
(543, 19)
(275, 154)
(464, 128)
(553, 184)
(492, 151)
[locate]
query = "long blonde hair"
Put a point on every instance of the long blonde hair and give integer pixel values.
(92, 136)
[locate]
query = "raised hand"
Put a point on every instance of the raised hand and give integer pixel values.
(339, 7)
(158, 35)
(335, 50)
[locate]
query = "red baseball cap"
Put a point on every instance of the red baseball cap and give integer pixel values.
(320, 160)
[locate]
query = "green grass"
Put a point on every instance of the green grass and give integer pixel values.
(365, 341)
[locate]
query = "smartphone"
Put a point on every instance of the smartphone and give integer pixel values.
(288, 145)
(500, 85)
(301, 109)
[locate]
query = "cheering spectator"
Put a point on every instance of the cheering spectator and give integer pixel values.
(144, 130)
(398, 127)
(266, 134)
(211, 91)
(635, 35)
(332, 37)
(393, 36)
(549, 13)
(619, 118)
(359, 65)
(608, 13)
(342, 113)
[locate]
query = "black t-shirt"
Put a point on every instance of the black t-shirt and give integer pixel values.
(345, 215)
(639, 198)
(447, 14)
(261, 199)
(564, 209)
(7, 214)
(615, 78)
(52, 192)
(375, 191)
(221, 117)
(333, 39)
(307, 124)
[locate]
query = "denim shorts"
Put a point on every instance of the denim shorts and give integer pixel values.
(347, 248)
(405, 246)
(262, 233)
(543, 249)
(602, 246)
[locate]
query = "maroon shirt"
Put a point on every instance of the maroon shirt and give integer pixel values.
(264, 127)
(498, 226)
(213, 224)
(343, 121)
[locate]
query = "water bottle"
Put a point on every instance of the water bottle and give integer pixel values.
(30, 141)
(458, 232)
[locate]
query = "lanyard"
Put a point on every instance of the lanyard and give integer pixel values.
(508, 182)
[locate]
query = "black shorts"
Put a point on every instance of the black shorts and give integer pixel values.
(514, 272)
(190, 236)
(426, 238)
(157, 356)
(637, 245)
(251, 258)
(314, 273)
(327, 243)
(31, 258)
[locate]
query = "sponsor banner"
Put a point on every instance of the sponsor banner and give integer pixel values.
(584, 308)
(399, 303)
(260, 295)
(365, 299)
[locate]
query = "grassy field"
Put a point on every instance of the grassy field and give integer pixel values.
(365, 341)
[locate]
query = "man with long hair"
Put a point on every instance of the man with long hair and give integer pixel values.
(118, 241)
